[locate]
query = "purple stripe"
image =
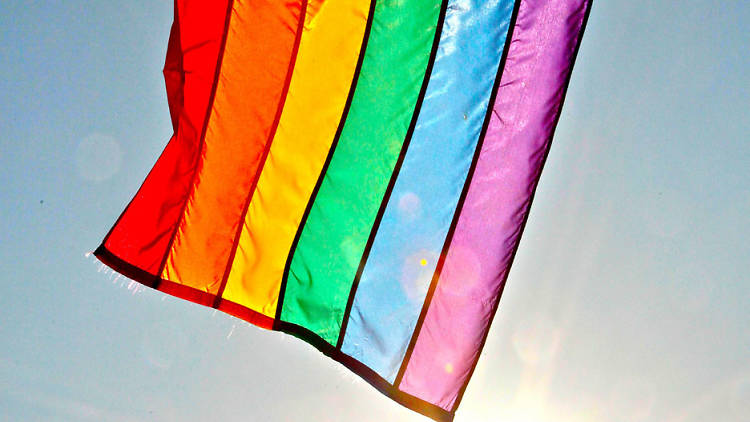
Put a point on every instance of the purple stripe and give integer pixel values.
(531, 92)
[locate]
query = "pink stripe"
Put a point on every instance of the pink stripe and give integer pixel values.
(531, 92)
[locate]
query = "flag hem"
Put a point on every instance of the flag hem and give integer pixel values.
(263, 321)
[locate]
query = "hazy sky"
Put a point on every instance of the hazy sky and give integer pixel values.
(629, 299)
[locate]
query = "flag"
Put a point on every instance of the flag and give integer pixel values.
(354, 173)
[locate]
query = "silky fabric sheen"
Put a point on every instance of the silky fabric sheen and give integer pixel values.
(404, 254)
(528, 103)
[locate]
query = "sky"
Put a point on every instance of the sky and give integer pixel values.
(629, 299)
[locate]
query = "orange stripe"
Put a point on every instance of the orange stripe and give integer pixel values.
(243, 115)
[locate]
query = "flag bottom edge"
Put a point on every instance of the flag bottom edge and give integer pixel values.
(200, 297)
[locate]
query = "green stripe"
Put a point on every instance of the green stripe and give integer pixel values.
(333, 238)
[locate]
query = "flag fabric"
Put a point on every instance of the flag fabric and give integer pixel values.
(356, 173)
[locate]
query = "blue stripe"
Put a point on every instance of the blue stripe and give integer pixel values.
(405, 250)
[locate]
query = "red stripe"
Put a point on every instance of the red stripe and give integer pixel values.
(142, 233)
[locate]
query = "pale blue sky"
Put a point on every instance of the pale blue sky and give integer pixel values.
(629, 299)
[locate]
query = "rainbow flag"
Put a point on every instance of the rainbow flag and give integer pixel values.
(356, 173)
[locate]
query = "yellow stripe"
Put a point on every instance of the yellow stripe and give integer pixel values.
(326, 61)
